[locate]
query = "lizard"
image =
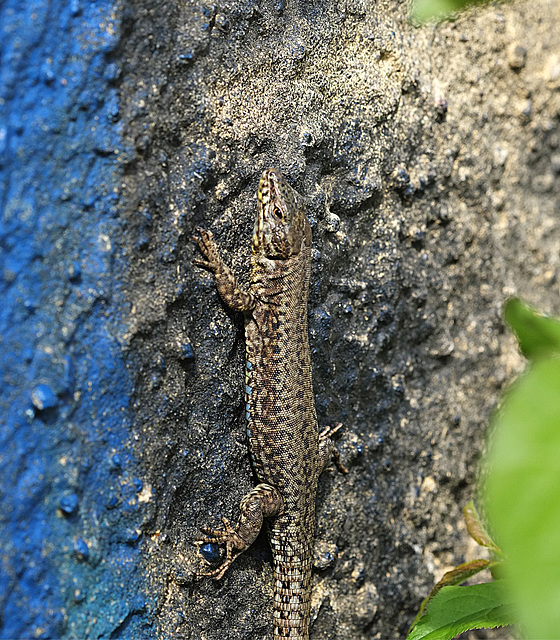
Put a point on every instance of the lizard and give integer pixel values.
(287, 451)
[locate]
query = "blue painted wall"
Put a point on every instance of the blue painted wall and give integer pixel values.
(72, 501)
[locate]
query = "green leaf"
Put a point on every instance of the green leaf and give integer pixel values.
(457, 609)
(538, 335)
(523, 495)
(455, 576)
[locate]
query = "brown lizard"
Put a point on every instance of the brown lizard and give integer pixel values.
(287, 452)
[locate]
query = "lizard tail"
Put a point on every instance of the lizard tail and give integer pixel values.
(292, 595)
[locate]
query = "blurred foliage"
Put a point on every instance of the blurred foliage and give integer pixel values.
(523, 487)
(425, 10)
(538, 335)
(522, 502)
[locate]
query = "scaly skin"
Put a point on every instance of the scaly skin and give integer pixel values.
(287, 452)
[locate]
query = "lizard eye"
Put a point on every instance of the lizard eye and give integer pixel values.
(277, 213)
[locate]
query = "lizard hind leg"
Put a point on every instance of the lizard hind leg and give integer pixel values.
(261, 502)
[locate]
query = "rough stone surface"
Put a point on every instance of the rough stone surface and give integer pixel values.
(430, 158)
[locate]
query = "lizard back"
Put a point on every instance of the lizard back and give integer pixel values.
(281, 418)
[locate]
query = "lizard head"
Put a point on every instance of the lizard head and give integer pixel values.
(281, 226)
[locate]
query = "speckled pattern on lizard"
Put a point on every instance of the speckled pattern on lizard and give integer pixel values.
(287, 451)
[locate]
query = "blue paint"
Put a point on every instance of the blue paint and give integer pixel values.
(188, 352)
(81, 548)
(132, 536)
(43, 397)
(69, 504)
(116, 462)
(210, 552)
(64, 386)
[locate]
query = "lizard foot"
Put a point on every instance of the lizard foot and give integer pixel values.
(234, 546)
(327, 449)
(209, 249)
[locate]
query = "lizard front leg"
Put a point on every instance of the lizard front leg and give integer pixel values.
(230, 291)
(261, 502)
